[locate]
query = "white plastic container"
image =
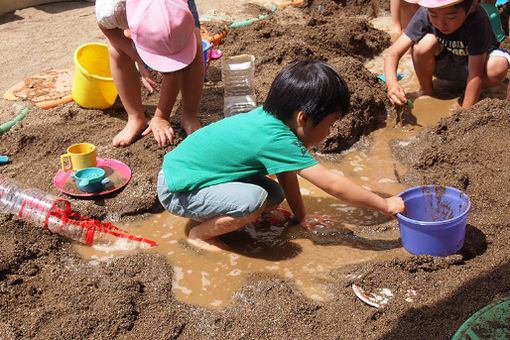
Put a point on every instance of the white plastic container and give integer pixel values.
(237, 73)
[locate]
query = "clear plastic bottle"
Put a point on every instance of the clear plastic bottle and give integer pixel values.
(237, 73)
(54, 213)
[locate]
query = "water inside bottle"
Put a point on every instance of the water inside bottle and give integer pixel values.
(239, 104)
(237, 74)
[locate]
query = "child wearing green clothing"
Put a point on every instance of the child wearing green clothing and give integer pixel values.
(217, 175)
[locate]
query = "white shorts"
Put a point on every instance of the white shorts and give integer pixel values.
(499, 52)
(111, 14)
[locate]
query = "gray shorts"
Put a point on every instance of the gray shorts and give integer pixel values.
(454, 67)
(235, 199)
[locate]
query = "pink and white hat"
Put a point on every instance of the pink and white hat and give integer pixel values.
(435, 3)
(163, 32)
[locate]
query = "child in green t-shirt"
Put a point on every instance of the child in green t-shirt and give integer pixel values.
(217, 175)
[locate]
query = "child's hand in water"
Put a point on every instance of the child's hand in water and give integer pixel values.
(310, 222)
(394, 205)
(396, 94)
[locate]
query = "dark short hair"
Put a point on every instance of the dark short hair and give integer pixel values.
(312, 86)
(466, 5)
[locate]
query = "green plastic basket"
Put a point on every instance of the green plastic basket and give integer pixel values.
(490, 322)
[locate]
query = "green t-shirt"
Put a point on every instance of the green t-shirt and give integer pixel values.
(252, 143)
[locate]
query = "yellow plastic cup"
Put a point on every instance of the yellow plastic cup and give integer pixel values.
(93, 86)
(79, 156)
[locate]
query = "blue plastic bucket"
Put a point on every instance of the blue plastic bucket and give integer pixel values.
(206, 46)
(435, 222)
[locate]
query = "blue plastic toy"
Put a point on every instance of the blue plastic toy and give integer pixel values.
(399, 76)
(90, 179)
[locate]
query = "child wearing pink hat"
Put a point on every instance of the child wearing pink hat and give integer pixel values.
(451, 40)
(164, 35)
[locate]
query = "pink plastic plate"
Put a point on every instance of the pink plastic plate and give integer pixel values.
(117, 172)
(215, 54)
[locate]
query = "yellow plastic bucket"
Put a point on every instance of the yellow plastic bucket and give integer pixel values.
(93, 86)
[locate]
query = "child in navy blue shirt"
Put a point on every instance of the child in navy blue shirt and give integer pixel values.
(451, 40)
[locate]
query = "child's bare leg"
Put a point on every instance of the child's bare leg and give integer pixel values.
(395, 15)
(204, 235)
(407, 12)
(128, 86)
(192, 84)
(424, 62)
(496, 70)
(160, 123)
(126, 80)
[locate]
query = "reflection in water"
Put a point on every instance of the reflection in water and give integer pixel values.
(303, 258)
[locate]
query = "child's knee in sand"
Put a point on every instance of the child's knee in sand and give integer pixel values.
(498, 64)
(426, 48)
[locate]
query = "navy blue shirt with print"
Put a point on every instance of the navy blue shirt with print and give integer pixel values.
(474, 37)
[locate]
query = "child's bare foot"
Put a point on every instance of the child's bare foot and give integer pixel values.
(213, 244)
(130, 133)
(190, 124)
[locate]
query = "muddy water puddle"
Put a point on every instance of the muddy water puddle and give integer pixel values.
(306, 259)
